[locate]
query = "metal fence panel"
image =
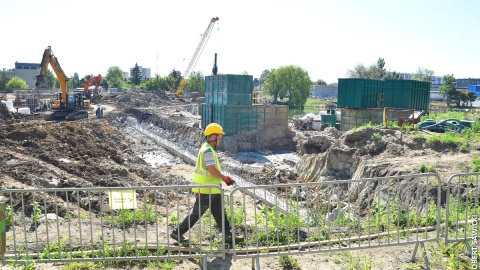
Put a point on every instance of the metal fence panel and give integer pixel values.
(79, 224)
(336, 215)
(462, 208)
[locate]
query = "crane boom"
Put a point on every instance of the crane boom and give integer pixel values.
(196, 55)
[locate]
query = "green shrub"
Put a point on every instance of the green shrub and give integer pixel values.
(288, 262)
(127, 217)
(376, 136)
(476, 163)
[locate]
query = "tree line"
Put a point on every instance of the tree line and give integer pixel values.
(286, 81)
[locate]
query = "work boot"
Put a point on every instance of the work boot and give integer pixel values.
(177, 236)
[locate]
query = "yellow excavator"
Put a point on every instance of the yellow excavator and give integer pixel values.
(68, 105)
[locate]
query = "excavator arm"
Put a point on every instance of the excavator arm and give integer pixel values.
(196, 55)
(49, 58)
(97, 79)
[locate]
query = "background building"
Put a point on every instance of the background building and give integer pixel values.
(464, 83)
(324, 91)
(27, 71)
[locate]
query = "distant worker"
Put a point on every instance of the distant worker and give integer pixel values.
(208, 172)
(99, 112)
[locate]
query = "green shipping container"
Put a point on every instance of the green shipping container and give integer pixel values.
(206, 114)
(226, 98)
(407, 94)
(360, 93)
(238, 84)
(329, 119)
(235, 119)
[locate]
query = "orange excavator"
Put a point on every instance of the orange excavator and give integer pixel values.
(87, 92)
(96, 79)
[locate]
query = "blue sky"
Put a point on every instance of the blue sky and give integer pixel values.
(326, 38)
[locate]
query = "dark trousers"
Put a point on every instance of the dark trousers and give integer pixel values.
(202, 203)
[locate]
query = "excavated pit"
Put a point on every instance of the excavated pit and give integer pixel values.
(110, 153)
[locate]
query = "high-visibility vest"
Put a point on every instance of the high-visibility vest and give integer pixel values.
(202, 176)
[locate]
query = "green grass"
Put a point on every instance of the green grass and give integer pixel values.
(9, 216)
(443, 116)
(277, 227)
(289, 262)
(476, 163)
(376, 136)
(127, 217)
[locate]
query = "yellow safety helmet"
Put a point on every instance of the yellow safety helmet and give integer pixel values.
(213, 128)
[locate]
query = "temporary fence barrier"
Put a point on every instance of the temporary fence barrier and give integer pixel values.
(104, 224)
(337, 215)
(462, 211)
(135, 223)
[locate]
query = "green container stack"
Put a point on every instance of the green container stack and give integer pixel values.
(407, 94)
(206, 111)
(228, 102)
(234, 90)
(235, 119)
(360, 93)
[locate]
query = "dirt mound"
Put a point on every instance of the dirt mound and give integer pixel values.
(143, 99)
(69, 154)
(5, 114)
(371, 152)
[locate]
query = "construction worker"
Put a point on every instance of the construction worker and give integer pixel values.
(99, 112)
(207, 172)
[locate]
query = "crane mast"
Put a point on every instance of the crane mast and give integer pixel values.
(196, 55)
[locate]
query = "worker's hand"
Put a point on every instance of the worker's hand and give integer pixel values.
(229, 181)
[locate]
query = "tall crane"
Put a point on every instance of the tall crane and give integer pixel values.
(196, 55)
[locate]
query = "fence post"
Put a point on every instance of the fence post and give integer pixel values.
(3, 226)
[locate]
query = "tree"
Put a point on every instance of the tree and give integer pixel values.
(319, 82)
(264, 75)
(155, 83)
(380, 68)
(136, 75)
(375, 71)
(423, 74)
(3, 82)
(472, 96)
(196, 82)
(296, 82)
(463, 97)
(104, 83)
(115, 77)
(271, 85)
(177, 77)
(393, 76)
(17, 82)
(51, 80)
(448, 89)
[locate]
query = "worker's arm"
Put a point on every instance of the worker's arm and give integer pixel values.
(212, 169)
(215, 173)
